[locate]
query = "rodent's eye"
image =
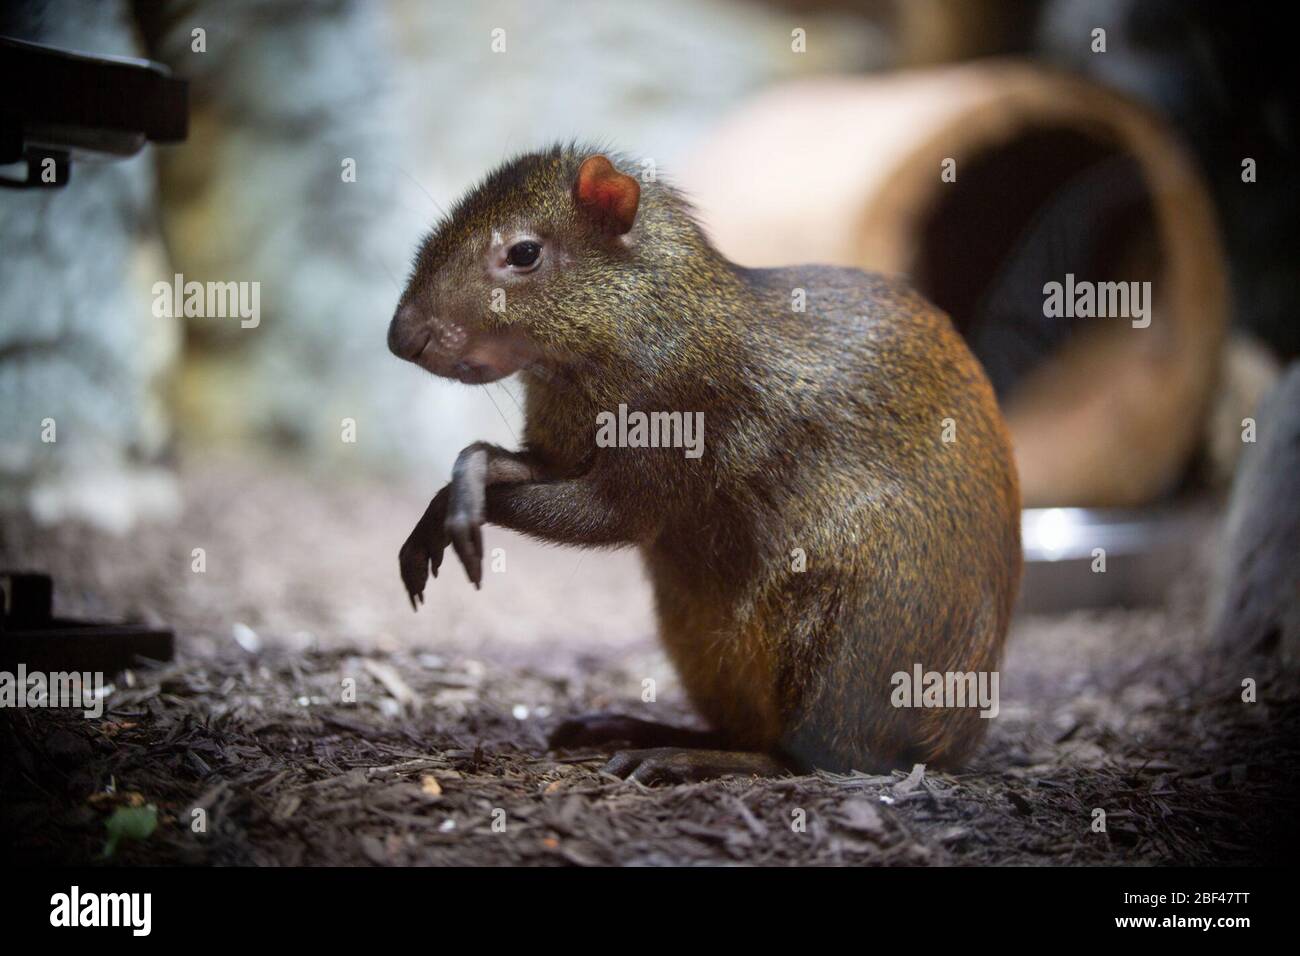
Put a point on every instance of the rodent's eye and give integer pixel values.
(524, 255)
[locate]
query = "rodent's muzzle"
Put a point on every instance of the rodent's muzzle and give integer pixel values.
(407, 335)
(450, 348)
(446, 349)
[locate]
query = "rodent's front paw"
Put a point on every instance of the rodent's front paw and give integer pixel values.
(466, 535)
(465, 509)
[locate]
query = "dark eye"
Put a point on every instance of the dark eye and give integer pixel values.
(524, 254)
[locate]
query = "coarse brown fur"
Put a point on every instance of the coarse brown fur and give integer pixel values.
(824, 435)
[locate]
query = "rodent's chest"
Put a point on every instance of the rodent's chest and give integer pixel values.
(563, 441)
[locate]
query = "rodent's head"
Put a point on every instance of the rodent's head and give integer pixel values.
(541, 262)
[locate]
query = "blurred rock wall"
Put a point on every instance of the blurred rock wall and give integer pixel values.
(83, 361)
(425, 98)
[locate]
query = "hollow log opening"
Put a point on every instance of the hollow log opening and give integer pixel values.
(1022, 213)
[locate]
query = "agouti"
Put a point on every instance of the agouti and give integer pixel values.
(853, 516)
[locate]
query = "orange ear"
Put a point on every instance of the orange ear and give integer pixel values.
(605, 194)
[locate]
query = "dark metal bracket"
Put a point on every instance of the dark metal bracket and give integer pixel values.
(59, 104)
(32, 636)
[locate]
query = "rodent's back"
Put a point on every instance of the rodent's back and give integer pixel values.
(911, 541)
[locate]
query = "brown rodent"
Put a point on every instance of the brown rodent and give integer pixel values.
(859, 433)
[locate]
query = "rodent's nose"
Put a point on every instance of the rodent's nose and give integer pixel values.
(407, 335)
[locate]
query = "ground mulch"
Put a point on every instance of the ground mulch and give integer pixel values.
(309, 718)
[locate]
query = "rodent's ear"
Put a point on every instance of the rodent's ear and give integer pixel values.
(606, 195)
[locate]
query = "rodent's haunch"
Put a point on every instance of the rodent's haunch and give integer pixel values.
(845, 421)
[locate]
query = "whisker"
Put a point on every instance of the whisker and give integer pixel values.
(499, 412)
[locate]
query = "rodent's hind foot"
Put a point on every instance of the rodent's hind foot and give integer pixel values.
(671, 765)
(414, 562)
(603, 730)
